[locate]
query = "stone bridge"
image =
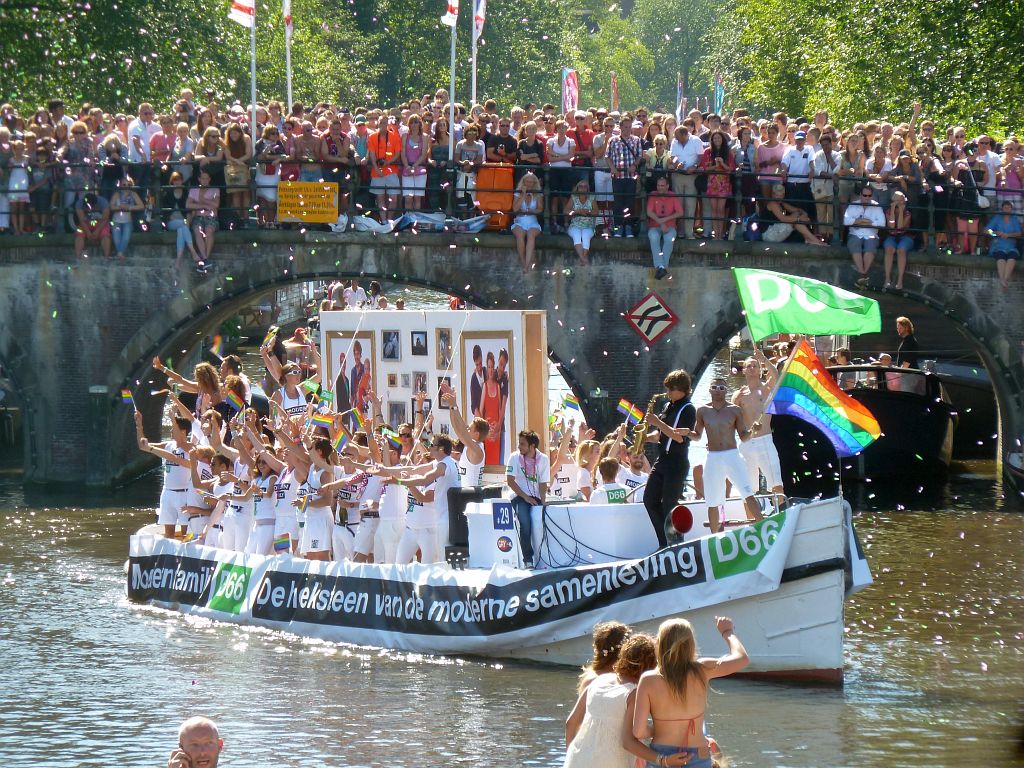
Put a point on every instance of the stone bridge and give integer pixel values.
(74, 332)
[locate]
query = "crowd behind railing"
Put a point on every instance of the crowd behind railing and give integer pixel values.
(595, 172)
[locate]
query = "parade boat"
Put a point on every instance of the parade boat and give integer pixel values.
(1014, 472)
(783, 580)
(917, 421)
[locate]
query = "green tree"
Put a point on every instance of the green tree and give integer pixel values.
(613, 47)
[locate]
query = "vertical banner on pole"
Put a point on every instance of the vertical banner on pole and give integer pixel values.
(570, 91)
(679, 97)
(719, 94)
(479, 16)
(615, 93)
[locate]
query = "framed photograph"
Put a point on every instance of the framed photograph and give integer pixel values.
(405, 380)
(419, 343)
(488, 391)
(444, 348)
(428, 404)
(419, 381)
(397, 414)
(441, 404)
(391, 345)
(392, 381)
(350, 368)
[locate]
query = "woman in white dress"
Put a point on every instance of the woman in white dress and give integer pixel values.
(603, 714)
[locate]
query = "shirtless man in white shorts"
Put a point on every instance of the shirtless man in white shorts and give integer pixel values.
(759, 451)
(722, 422)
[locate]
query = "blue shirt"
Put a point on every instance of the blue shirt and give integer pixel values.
(1004, 225)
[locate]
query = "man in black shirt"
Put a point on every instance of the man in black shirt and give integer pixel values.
(673, 463)
(906, 353)
(501, 147)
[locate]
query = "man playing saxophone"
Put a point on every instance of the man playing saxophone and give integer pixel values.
(668, 476)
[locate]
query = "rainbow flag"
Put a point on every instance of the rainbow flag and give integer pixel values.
(808, 391)
(359, 419)
(393, 440)
(270, 335)
(235, 401)
(282, 543)
(624, 407)
(323, 420)
(126, 397)
(340, 441)
(303, 504)
(635, 415)
(570, 401)
(217, 345)
(190, 536)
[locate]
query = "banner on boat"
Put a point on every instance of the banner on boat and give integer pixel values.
(422, 608)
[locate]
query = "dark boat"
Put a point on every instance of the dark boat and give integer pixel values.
(918, 423)
(1013, 472)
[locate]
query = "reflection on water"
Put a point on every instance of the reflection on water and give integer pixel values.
(934, 674)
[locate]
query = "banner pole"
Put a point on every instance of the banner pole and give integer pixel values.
(472, 94)
(451, 104)
(288, 62)
(778, 381)
(252, 77)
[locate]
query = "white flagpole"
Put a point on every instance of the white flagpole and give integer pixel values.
(472, 99)
(288, 50)
(451, 102)
(252, 76)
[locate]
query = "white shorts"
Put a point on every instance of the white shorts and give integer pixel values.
(759, 453)
(424, 539)
(197, 523)
(385, 542)
(316, 533)
(236, 530)
(213, 535)
(719, 466)
(603, 186)
(385, 185)
(261, 539)
(365, 533)
(171, 504)
(414, 186)
(343, 539)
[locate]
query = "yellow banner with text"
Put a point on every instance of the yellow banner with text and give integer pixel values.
(310, 202)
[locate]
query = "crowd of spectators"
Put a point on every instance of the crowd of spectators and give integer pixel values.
(196, 168)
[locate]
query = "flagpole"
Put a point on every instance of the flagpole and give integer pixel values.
(472, 99)
(778, 381)
(288, 53)
(451, 102)
(252, 77)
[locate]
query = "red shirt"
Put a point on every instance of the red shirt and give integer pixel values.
(584, 141)
(160, 146)
(662, 206)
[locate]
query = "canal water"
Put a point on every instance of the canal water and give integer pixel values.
(934, 674)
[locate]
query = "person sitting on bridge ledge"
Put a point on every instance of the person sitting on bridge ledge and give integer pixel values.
(92, 214)
(865, 218)
(199, 745)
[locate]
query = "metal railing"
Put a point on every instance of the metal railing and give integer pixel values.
(935, 210)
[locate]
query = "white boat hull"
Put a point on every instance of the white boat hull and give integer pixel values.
(787, 601)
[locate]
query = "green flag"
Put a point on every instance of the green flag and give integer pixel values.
(778, 303)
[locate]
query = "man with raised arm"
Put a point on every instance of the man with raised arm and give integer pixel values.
(723, 421)
(472, 435)
(199, 745)
(177, 471)
(759, 453)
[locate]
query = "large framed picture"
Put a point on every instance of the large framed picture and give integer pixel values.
(397, 414)
(350, 373)
(419, 343)
(488, 391)
(391, 345)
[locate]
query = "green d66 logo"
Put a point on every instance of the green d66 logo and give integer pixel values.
(229, 587)
(742, 549)
(617, 496)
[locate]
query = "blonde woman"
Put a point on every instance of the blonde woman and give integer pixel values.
(674, 695)
(582, 219)
(237, 156)
(527, 206)
(587, 455)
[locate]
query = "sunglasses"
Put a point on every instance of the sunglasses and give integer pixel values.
(405, 435)
(717, 387)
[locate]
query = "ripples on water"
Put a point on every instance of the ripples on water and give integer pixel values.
(934, 673)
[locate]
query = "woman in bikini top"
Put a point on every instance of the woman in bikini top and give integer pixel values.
(674, 695)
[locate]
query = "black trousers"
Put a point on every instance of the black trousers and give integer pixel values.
(662, 493)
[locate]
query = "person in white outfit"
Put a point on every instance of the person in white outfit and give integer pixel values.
(472, 435)
(594, 730)
(177, 477)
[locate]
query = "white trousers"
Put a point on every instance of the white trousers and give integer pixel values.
(760, 456)
(720, 465)
(424, 539)
(385, 542)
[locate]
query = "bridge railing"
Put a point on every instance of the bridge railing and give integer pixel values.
(942, 211)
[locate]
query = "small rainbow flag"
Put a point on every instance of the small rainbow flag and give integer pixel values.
(282, 543)
(359, 419)
(217, 345)
(570, 401)
(635, 414)
(340, 441)
(393, 440)
(235, 401)
(624, 407)
(270, 335)
(303, 503)
(126, 397)
(323, 420)
(190, 536)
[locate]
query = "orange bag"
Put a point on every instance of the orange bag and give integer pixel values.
(494, 192)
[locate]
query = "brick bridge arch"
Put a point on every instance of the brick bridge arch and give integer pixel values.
(99, 324)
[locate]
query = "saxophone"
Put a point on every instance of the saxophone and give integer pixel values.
(640, 430)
